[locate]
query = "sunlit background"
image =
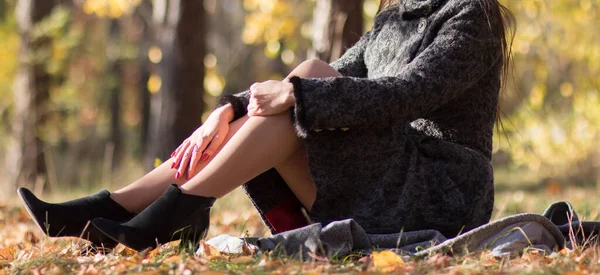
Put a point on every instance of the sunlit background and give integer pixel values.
(80, 87)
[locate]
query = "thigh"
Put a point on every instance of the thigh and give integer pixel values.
(234, 127)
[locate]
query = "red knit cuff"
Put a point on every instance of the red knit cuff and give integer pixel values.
(286, 216)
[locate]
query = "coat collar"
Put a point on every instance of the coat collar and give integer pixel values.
(410, 9)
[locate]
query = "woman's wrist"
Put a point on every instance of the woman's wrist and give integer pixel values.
(291, 98)
(224, 112)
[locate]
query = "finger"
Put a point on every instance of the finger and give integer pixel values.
(253, 88)
(213, 147)
(179, 154)
(251, 107)
(203, 143)
(252, 101)
(251, 111)
(194, 160)
(184, 162)
(176, 150)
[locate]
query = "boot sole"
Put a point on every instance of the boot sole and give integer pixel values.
(185, 239)
(123, 242)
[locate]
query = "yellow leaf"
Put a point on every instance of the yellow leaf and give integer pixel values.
(157, 162)
(386, 260)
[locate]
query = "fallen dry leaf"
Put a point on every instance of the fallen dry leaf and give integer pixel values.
(125, 251)
(268, 262)
(7, 254)
(366, 260)
(30, 237)
(565, 251)
(439, 260)
(386, 261)
(172, 259)
(242, 260)
(85, 260)
(90, 269)
(209, 252)
(149, 272)
(247, 250)
(317, 257)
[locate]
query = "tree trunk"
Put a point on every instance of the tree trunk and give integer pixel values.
(144, 42)
(177, 108)
(25, 159)
(337, 25)
(144, 95)
(115, 86)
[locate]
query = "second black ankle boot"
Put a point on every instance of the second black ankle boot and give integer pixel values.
(69, 219)
(173, 216)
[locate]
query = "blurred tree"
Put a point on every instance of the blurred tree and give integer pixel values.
(337, 25)
(555, 119)
(31, 90)
(2, 7)
(143, 11)
(177, 104)
(229, 59)
(115, 86)
(275, 24)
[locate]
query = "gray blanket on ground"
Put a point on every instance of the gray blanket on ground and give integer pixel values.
(558, 227)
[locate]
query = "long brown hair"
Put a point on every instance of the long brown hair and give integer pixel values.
(506, 35)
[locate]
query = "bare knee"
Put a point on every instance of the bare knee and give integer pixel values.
(276, 119)
(314, 64)
(314, 68)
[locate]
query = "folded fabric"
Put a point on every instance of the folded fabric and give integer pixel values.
(558, 227)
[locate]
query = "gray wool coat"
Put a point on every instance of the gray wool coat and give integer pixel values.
(403, 140)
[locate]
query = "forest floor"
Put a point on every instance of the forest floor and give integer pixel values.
(25, 250)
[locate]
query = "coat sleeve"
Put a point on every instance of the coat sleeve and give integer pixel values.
(238, 101)
(461, 53)
(350, 64)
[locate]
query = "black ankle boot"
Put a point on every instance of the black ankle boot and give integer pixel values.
(69, 219)
(173, 216)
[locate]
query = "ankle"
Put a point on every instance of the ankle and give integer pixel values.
(200, 192)
(127, 204)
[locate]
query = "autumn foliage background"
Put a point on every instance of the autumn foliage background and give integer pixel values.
(103, 63)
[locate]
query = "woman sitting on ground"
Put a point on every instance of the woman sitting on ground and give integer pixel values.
(396, 134)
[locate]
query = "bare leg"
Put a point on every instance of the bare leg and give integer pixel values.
(142, 192)
(296, 175)
(260, 144)
(251, 153)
